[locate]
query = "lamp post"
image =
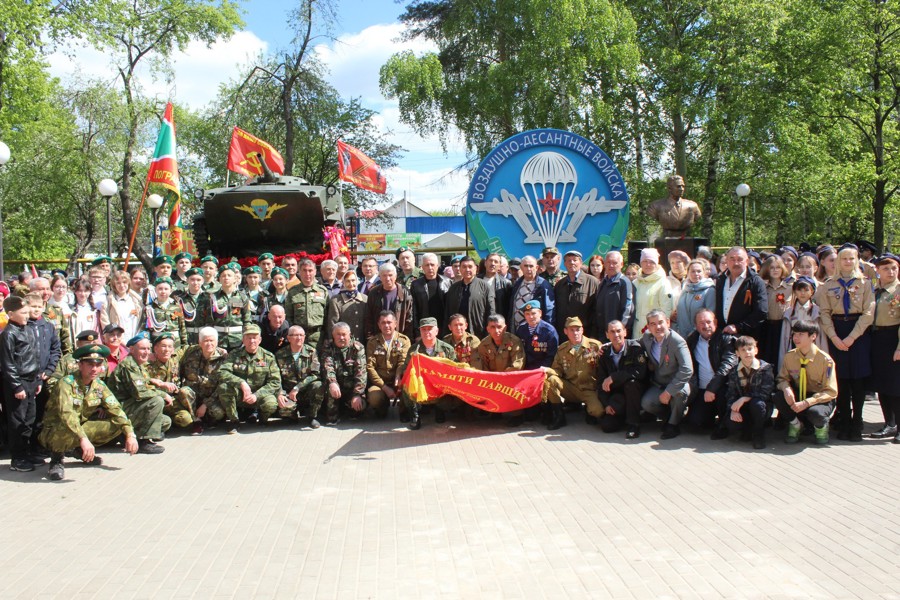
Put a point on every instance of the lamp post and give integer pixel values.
(743, 190)
(351, 214)
(108, 189)
(155, 202)
(4, 158)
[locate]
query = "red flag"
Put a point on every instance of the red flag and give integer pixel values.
(242, 156)
(427, 379)
(359, 169)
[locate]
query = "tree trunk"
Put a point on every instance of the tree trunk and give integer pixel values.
(679, 140)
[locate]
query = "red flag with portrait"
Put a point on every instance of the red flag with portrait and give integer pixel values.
(359, 169)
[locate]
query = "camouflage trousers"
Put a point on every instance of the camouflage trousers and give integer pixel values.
(232, 399)
(62, 440)
(215, 412)
(309, 397)
(556, 388)
(147, 417)
(182, 410)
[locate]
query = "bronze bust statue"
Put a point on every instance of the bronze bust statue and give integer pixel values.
(675, 214)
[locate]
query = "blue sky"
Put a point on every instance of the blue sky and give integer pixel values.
(366, 34)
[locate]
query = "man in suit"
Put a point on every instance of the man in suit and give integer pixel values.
(428, 292)
(621, 371)
(670, 373)
(741, 299)
(471, 297)
(389, 295)
(530, 286)
(713, 358)
(369, 279)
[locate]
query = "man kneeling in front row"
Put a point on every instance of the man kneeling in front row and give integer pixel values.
(72, 418)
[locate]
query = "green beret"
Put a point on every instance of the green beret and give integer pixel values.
(181, 255)
(163, 259)
(251, 270)
(100, 260)
(165, 335)
(160, 280)
(91, 353)
(280, 271)
(234, 266)
(251, 329)
(194, 271)
(223, 268)
(265, 256)
(209, 258)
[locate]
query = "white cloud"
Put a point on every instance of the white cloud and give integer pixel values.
(198, 70)
(437, 189)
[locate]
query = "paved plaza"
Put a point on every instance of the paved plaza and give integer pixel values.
(460, 510)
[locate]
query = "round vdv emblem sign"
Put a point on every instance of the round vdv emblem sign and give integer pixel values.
(543, 188)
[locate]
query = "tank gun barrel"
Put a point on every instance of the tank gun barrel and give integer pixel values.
(268, 176)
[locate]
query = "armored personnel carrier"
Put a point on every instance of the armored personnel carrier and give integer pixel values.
(270, 213)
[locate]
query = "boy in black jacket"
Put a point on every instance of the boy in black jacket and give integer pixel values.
(20, 361)
(748, 391)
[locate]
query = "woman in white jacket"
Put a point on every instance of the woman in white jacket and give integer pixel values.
(651, 291)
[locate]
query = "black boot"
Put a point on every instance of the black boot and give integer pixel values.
(559, 417)
(56, 472)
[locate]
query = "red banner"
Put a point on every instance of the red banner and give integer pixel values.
(359, 169)
(242, 155)
(427, 379)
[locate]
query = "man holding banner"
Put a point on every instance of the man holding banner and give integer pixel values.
(500, 352)
(428, 345)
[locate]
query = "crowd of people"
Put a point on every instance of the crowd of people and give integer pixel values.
(716, 345)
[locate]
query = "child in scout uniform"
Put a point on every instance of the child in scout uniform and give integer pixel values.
(210, 267)
(82, 412)
(807, 384)
(163, 314)
(266, 262)
(277, 289)
(885, 356)
(228, 310)
(162, 266)
(801, 307)
(779, 291)
(847, 305)
(192, 299)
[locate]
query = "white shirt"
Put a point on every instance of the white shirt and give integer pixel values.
(704, 368)
(729, 290)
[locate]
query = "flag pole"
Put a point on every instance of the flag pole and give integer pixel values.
(137, 221)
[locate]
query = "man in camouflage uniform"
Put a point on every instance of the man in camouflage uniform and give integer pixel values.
(498, 352)
(143, 402)
(407, 271)
(307, 302)
(163, 369)
(163, 313)
(464, 343)
(386, 354)
(199, 369)
(301, 381)
(249, 381)
(428, 345)
(52, 314)
(192, 299)
(344, 368)
(551, 259)
(228, 310)
(73, 416)
(574, 374)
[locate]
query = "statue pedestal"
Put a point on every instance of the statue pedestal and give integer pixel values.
(687, 245)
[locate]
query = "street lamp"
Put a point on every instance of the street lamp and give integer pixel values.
(351, 214)
(4, 158)
(155, 202)
(743, 190)
(108, 189)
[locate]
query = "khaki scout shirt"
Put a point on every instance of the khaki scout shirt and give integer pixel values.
(779, 299)
(830, 298)
(887, 307)
(579, 366)
(385, 360)
(821, 377)
(508, 356)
